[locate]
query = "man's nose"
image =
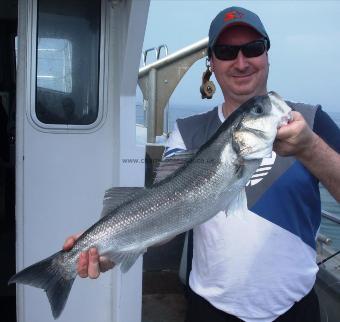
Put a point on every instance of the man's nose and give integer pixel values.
(241, 62)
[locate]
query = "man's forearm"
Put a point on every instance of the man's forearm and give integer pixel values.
(324, 163)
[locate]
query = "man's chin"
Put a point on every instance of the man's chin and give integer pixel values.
(245, 93)
(248, 91)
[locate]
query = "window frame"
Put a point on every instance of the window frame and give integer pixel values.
(32, 76)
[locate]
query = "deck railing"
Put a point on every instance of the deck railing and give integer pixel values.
(330, 216)
(333, 218)
(159, 79)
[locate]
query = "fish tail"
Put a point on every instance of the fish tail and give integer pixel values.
(51, 275)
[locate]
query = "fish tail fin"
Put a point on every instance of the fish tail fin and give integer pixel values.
(51, 275)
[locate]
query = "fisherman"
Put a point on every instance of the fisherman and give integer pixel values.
(245, 275)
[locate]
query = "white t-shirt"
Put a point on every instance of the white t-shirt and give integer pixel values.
(244, 264)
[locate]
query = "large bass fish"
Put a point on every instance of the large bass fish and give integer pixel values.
(202, 184)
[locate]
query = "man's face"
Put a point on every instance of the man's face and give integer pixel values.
(241, 78)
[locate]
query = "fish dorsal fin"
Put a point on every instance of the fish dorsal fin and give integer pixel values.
(169, 165)
(116, 196)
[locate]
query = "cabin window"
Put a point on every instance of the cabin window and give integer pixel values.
(67, 66)
(54, 70)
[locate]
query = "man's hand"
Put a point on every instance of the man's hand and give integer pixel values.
(296, 138)
(90, 264)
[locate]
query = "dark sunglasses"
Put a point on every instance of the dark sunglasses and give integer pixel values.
(252, 49)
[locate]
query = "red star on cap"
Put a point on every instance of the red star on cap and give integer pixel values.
(233, 15)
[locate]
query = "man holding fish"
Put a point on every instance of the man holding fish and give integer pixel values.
(255, 264)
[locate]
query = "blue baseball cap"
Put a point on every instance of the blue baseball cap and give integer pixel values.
(234, 16)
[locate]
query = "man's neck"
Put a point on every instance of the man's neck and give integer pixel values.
(230, 105)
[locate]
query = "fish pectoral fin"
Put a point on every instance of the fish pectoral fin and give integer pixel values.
(125, 259)
(128, 261)
(116, 196)
(238, 206)
(169, 165)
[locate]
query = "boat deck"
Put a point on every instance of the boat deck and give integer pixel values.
(163, 294)
(163, 297)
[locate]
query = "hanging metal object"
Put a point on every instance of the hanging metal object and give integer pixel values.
(207, 88)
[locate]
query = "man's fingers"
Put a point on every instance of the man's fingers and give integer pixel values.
(105, 264)
(69, 242)
(281, 148)
(82, 265)
(90, 264)
(289, 131)
(283, 133)
(293, 128)
(93, 269)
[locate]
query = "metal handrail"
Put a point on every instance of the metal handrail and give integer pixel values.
(159, 49)
(324, 239)
(200, 45)
(145, 54)
(159, 79)
(330, 216)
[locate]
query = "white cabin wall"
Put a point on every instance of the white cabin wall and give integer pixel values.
(61, 177)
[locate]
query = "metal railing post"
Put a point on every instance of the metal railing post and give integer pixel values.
(151, 112)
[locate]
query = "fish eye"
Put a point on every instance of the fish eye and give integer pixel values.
(258, 109)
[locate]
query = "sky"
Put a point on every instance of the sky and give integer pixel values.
(305, 46)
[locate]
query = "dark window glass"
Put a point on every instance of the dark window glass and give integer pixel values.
(68, 45)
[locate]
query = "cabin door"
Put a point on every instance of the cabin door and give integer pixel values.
(77, 73)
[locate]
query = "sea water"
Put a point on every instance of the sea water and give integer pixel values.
(328, 228)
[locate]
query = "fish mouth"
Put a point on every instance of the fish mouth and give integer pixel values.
(277, 101)
(285, 119)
